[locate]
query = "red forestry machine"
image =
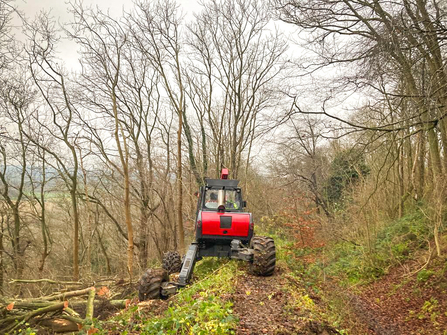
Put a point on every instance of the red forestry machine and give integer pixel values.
(223, 229)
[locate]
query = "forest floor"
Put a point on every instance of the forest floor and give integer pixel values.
(286, 304)
(407, 300)
(275, 305)
(403, 303)
(224, 298)
(257, 305)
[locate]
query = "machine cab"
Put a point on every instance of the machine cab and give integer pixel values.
(222, 198)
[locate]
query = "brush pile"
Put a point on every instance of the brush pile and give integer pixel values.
(65, 311)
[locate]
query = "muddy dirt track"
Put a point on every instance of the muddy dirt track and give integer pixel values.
(263, 306)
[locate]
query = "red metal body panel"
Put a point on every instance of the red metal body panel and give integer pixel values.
(239, 227)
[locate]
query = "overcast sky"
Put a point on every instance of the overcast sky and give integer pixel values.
(59, 7)
(59, 10)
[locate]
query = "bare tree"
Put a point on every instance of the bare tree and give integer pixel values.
(155, 29)
(234, 74)
(301, 160)
(384, 40)
(102, 40)
(16, 97)
(58, 120)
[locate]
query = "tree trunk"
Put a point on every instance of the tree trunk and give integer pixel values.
(144, 209)
(45, 251)
(443, 131)
(89, 215)
(421, 165)
(144, 236)
(19, 250)
(1, 255)
(400, 163)
(130, 246)
(181, 232)
(434, 154)
(75, 235)
(124, 158)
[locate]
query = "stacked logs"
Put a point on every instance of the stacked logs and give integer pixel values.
(61, 312)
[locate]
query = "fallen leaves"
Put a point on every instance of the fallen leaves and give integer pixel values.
(104, 292)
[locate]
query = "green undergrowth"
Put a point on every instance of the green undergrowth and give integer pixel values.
(353, 262)
(395, 244)
(200, 308)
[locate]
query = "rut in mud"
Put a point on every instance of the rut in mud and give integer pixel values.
(279, 305)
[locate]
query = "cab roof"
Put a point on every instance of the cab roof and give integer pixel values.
(220, 183)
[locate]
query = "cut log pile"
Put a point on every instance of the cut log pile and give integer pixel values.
(61, 312)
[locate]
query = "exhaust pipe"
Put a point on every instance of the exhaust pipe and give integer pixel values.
(221, 201)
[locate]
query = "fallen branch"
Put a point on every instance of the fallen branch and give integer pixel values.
(430, 253)
(57, 315)
(49, 281)
(65, 295)
(71, 312)
(98, 302)
(90, 305)
(27, 305)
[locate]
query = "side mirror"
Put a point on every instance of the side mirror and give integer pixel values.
(244, 203)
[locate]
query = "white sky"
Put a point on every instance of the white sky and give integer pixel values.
(59, 7)
(59, 10)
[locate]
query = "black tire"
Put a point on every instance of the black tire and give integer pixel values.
(150, 284)
(264, 257)
(172, 262)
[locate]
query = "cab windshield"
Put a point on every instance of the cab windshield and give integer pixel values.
(231, 199)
